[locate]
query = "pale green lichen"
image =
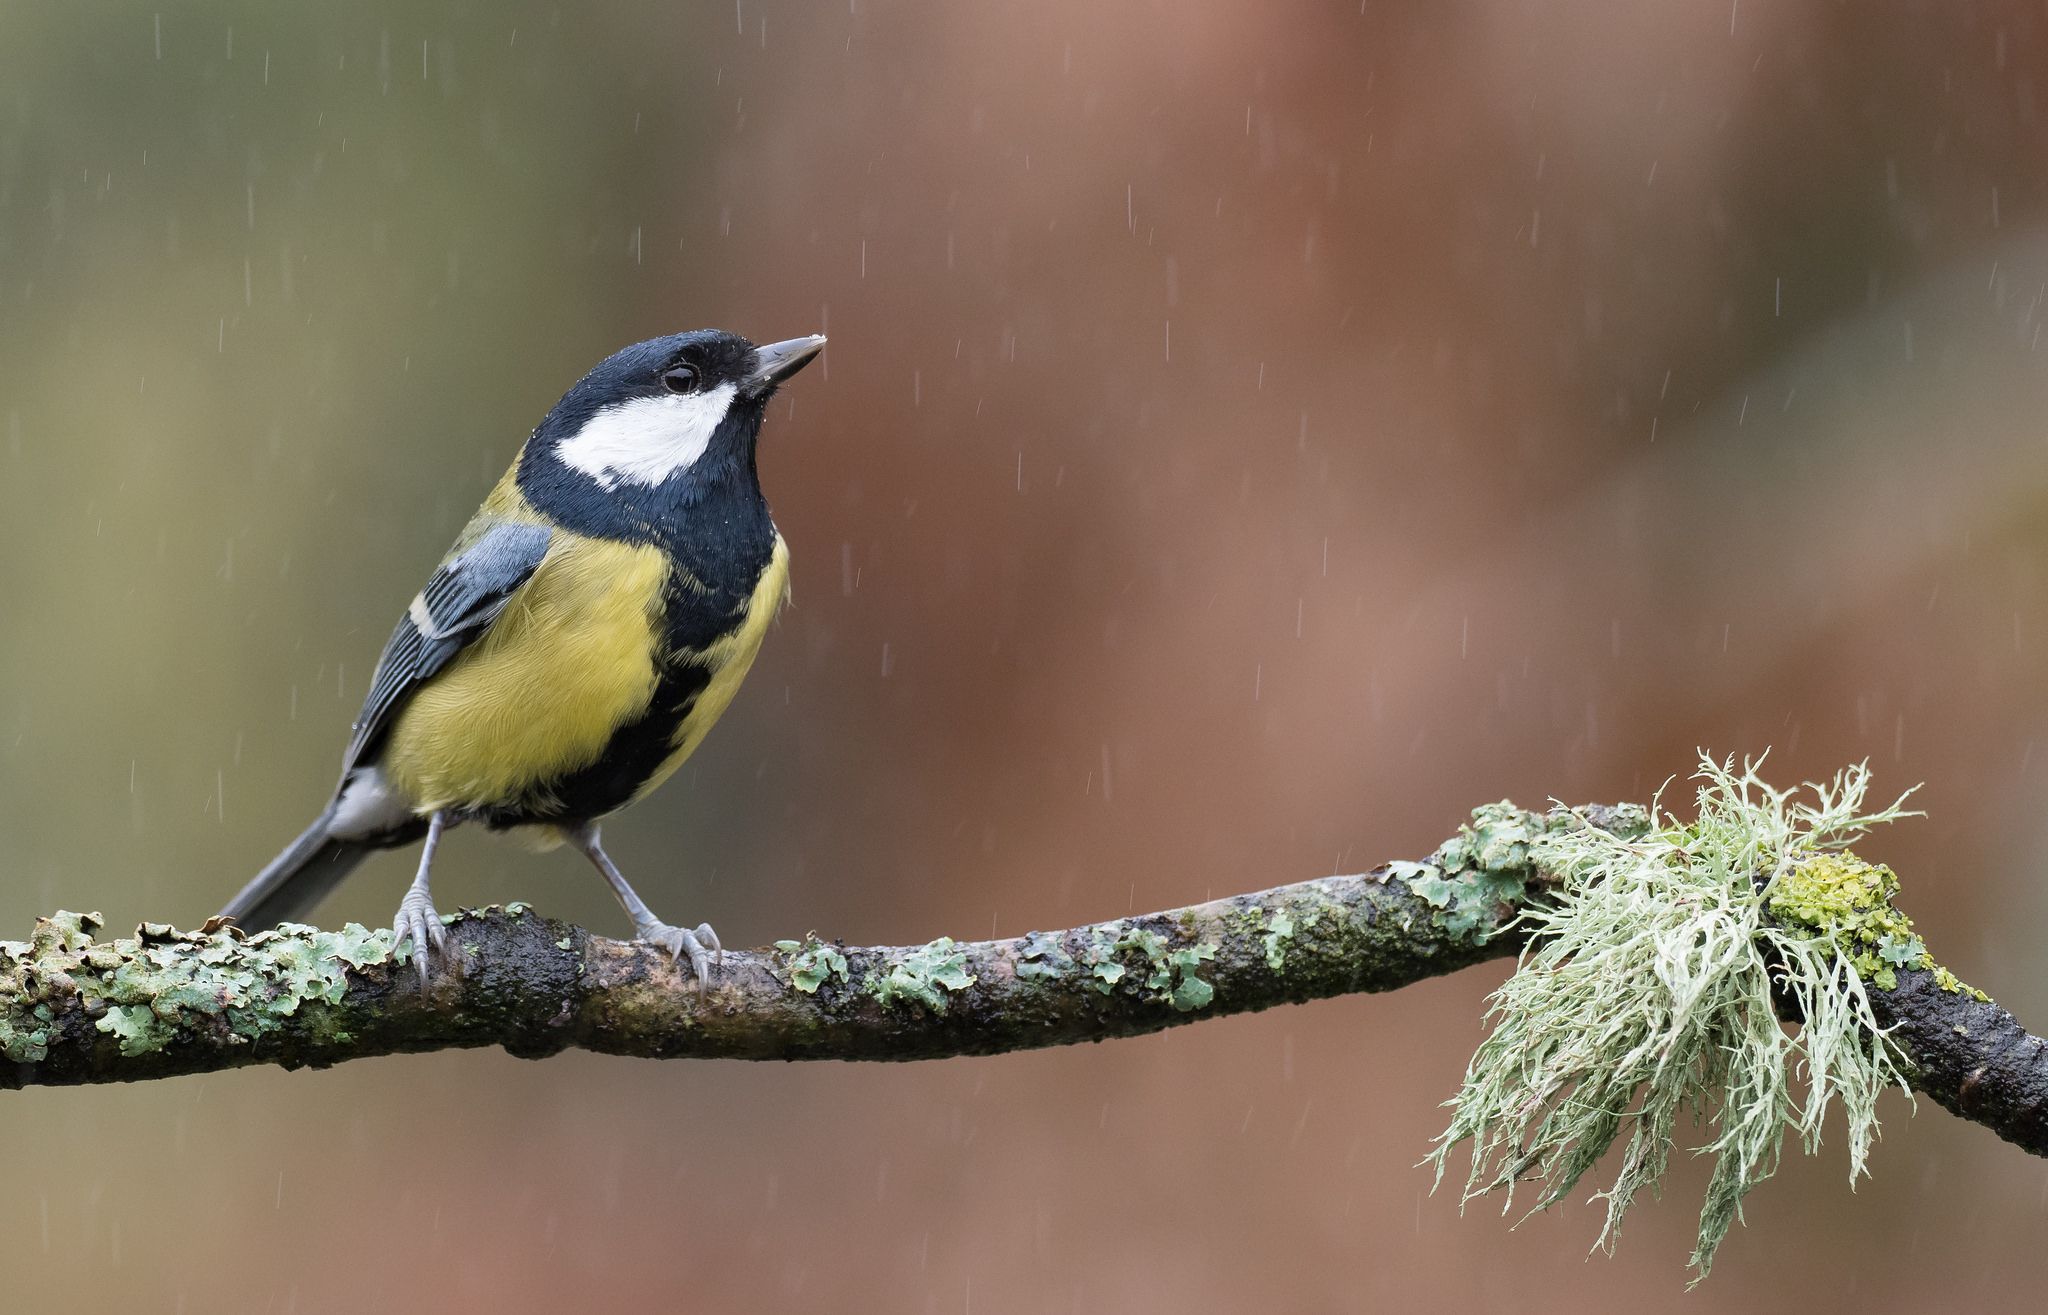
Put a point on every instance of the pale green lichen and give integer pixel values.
(1478, 879)
(66, 931)
(1168, 974)
(1043, 956)
(812, 963)
(23, 1047)
(144, 989)
(1189, 992)
(924, 975)
(1099, 958)
(1171, 976)
(1649, 992)
(137, 1026)
(1277, 930)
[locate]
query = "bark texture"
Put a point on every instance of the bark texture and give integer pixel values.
(75, 1008)
(1971, 1057)
(78, 1008)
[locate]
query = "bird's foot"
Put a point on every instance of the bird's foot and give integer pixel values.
(699, 946)
(418, 921)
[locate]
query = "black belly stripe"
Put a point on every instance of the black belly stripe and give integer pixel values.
(692, 623)
(637, 750)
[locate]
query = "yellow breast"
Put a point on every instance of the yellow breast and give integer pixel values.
(571, 659)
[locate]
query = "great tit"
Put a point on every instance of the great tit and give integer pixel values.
(592, 621)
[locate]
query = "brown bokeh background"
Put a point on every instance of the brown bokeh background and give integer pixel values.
(1252, 435)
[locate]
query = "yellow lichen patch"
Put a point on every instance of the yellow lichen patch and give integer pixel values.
(1850, 901)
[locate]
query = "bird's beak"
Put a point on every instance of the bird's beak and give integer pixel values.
(779, 360)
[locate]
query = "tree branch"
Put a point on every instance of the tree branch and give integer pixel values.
(1971, 1056)
(77, 1009)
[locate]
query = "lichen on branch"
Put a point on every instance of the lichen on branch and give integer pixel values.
(76, 1007)
(1653, 989)
(1658, 959)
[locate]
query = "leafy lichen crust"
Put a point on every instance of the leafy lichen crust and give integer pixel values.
(1478, 880)
(148, 989)
(923, 976)
(812, 963)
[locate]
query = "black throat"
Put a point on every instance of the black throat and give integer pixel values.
(710, 517)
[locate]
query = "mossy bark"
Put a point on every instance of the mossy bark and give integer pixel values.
(75, 1008)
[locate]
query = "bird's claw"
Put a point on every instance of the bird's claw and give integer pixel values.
(701, 947)
(418, 921)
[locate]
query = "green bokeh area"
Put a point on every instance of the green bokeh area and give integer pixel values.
(284, 292)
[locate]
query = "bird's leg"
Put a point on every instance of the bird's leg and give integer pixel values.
(416, 916)
(699, 946)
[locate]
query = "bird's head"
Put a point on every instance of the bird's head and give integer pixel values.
(684, 408)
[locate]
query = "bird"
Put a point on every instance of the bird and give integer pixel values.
(591, 622)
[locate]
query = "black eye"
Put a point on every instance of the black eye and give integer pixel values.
(679, 379)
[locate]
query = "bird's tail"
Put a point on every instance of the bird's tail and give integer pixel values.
(299, 878)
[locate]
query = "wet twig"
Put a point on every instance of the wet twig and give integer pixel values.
(76, 1007)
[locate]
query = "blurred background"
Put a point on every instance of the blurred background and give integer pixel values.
(1253, 434)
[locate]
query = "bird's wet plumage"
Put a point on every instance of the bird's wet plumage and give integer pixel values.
(591, 623)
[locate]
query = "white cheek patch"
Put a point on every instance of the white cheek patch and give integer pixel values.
(648, 439)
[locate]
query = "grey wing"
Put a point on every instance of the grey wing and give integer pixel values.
(466, 594)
